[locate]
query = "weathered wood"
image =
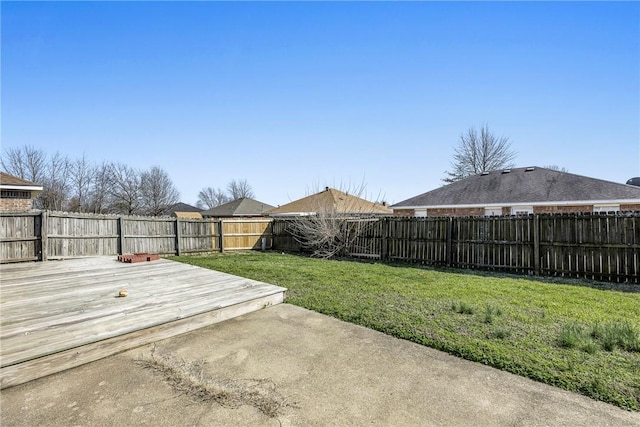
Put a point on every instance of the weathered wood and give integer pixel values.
(178, 234)
(43, 235)
(593, 246)
(19, 239)
(56, 315)
(57, 362)
(450, 242)
(121, 249)
(221, 235)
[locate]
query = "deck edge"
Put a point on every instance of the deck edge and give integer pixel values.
(46, 365)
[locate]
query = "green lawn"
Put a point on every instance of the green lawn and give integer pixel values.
(579, 338)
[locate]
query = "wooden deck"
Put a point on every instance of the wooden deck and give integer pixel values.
(59, 314)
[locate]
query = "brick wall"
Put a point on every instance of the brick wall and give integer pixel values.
(562, 209)
(404, 212)
(455, 212)
(15, 205)
(630, 207)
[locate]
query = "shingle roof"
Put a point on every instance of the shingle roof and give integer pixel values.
(6, 179)
(523, 185)
(240, 207)
(180, 207)
(330, 200)
(184, 207)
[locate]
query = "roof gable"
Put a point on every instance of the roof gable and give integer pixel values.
(184, 207)
(523, 185)
(7, 179)
(240, 207)
(13, 182)
(180, 207)
(330, 200)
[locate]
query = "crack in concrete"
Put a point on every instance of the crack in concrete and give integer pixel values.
(191, 379)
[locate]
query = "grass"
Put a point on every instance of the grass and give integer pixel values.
(578, 338)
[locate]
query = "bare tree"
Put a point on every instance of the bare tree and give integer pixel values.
(556, 168)
(239, 189)
(52, 173)
(98, 199)
(157, 192)
(81, 186)
(337, 220)
(210, 197)
(26, 163)
(124, 189)
(479, 152)
(55, 183)
(82, 174)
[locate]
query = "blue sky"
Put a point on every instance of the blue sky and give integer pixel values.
(293, 96)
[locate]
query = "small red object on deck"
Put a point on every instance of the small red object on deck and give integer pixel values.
(138, 257)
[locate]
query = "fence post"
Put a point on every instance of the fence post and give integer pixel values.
(384, 247)
(536, 244)
(120, 232)
(274, 236)
(44, 242)
(221, 233)
(450, 242)
(178, 236)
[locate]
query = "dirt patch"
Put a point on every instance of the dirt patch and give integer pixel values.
(191, 379)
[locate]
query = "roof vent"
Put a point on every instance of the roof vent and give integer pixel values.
(529, 169)
(506, 171)
(634, 181)
(484, 173)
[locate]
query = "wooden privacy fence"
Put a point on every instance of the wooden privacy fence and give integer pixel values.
(38, 236)
(593, 246)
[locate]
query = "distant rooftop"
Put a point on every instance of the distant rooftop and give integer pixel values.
(523, 185)
(240, 207)
(330, 200)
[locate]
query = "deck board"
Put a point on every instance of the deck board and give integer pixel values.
(52, 312)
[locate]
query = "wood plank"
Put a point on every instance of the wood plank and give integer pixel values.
(62, 336)
(43, 366)
(47, 309)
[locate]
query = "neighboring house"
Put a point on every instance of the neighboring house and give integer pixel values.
(522, 191)
(183, 210)
(17, 194)
(330, 200)
(243, 207)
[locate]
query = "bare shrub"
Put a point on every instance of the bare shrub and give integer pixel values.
(333, 222)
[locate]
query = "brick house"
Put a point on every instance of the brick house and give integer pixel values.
(521, 191)
(183, 211)
(16, 195)
(242, 207)
(332, 201)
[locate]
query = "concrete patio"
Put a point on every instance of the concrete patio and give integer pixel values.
(285, 365)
